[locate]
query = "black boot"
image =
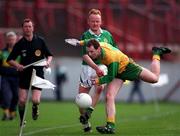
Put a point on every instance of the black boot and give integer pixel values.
(160, 50)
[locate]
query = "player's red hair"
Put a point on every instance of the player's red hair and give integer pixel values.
(95, 12)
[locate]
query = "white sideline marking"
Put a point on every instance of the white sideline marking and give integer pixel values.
(146, 117)
(50, 128)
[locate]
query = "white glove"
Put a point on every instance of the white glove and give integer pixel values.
(72, 41)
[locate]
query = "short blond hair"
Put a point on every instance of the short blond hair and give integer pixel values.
(95, 12)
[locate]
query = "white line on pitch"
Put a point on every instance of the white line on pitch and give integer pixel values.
(146, 117)
(50, 128)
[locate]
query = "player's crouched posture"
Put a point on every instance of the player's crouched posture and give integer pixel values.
(122, 67)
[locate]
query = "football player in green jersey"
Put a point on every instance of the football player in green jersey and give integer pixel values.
(95, 31)
(122, 67)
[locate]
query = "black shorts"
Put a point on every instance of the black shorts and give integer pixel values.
(25, 77)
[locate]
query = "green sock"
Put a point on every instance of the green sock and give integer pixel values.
(90, 110)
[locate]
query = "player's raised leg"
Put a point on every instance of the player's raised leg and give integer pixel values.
(152, 75)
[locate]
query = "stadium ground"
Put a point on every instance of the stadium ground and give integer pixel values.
(60, 119)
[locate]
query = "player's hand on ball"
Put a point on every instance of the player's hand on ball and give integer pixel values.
(99, 72)
(72, 41)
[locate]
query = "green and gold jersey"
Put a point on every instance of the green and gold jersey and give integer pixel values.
(105, 36)
(5, 68)
(4, 55)
(114, 59)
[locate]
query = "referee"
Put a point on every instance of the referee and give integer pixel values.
(30, 48)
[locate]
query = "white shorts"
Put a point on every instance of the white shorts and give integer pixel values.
(88, 73)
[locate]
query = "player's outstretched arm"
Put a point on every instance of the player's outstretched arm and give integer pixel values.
(75, 42)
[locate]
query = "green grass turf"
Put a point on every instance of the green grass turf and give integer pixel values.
(61, 119)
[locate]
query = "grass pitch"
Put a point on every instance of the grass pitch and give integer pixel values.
(61, 119)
